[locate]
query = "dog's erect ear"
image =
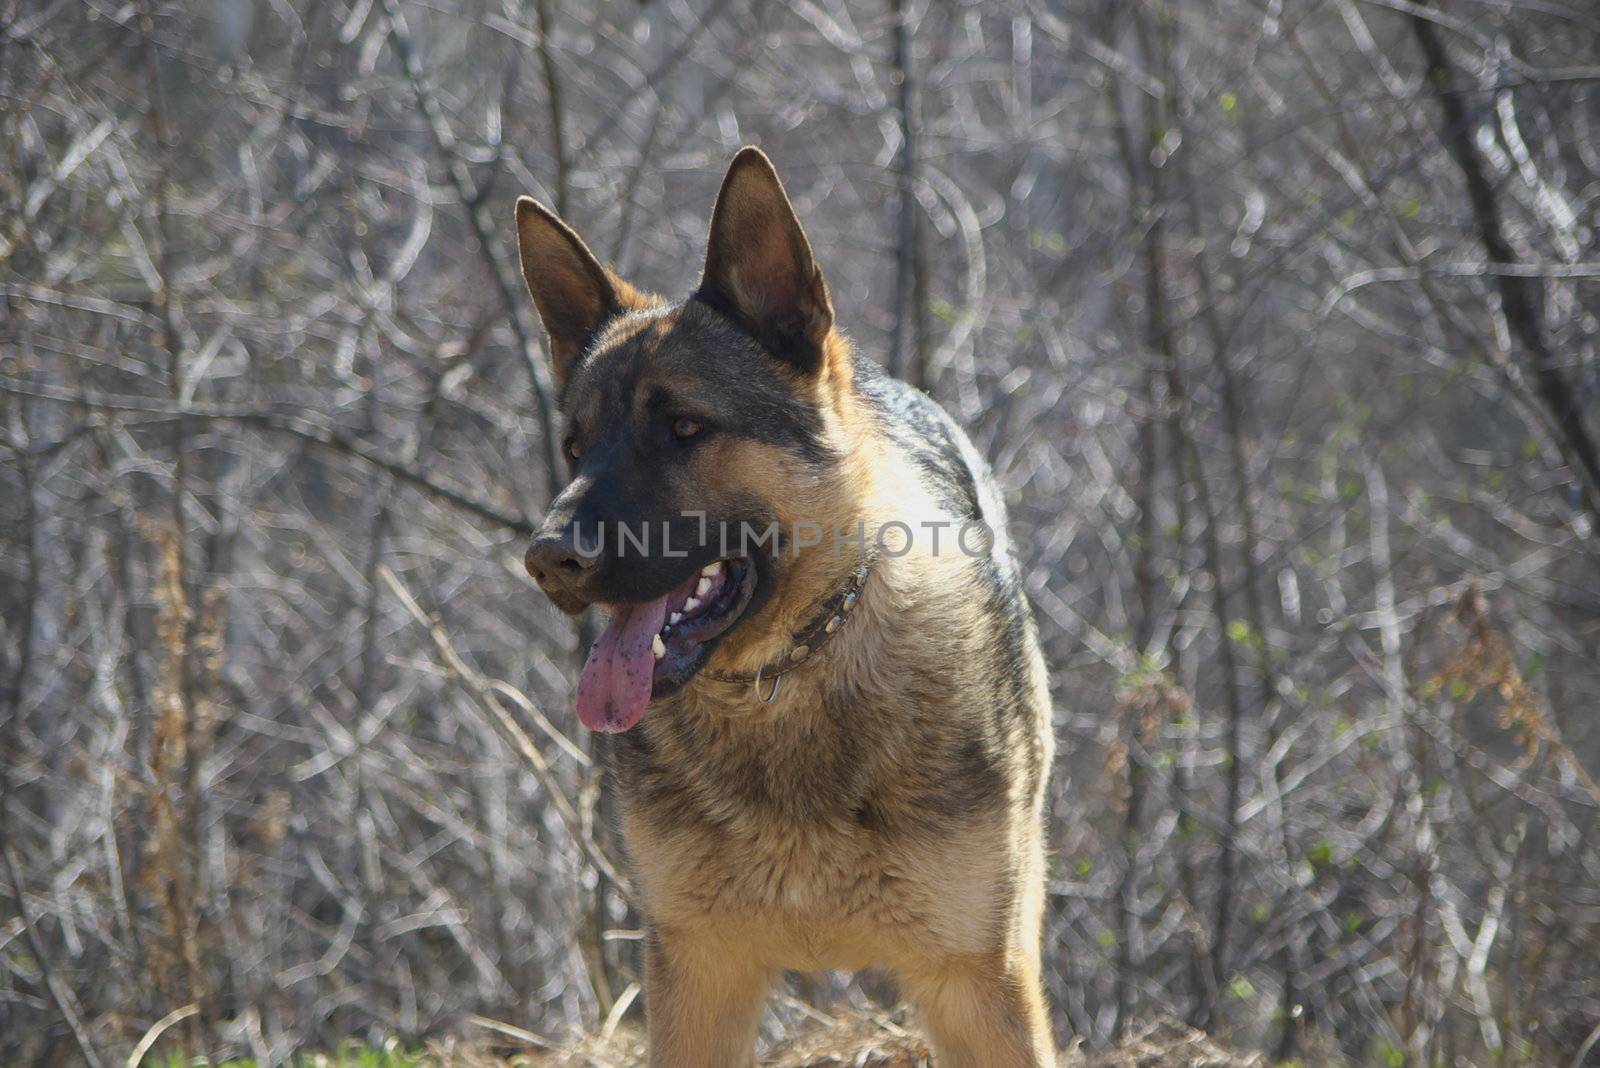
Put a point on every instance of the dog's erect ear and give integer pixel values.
(573, 292)
(759, 267)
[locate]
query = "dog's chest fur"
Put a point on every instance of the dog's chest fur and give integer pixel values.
(892, 791)
(878, 799)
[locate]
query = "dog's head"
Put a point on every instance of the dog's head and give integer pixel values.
(699, 436)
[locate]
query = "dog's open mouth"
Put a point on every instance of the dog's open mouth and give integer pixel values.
(650, 649)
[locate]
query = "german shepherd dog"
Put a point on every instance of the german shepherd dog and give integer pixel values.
(833, 724)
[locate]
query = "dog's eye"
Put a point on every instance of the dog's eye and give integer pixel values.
(573, 452)
(685, 428)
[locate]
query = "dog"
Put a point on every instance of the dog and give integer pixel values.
(831, 714)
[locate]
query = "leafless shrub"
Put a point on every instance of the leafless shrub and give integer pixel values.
(1278, 321)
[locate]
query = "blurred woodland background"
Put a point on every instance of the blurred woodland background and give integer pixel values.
(1277, 318)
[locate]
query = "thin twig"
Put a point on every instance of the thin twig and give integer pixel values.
(295, 426)
(484, 695)
(477, 217)
(14, 693)
(510, 1031)
(156, 1030)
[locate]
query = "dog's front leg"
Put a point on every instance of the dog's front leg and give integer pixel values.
(984, 1012)
(703, 1000)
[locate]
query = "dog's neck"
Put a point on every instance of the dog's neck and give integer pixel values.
(826, 620)
(826, 627)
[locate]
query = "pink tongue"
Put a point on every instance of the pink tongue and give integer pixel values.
(615, 686)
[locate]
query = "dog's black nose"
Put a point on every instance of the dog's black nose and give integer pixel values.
(554, 560)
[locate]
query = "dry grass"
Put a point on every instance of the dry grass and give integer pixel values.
(872, 1042)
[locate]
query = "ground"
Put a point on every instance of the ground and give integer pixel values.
(867, 1042)
(855, 1042)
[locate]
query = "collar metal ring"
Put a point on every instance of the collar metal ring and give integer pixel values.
(777, 680)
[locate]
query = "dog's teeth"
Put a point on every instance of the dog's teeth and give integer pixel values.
(675, 617)
(711, 569)
(658, 647)
(691, 604)
(703, 588)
